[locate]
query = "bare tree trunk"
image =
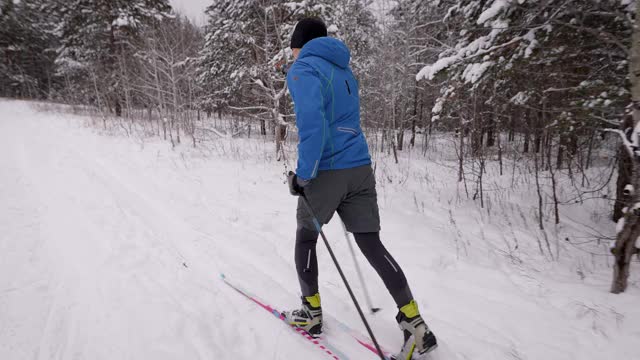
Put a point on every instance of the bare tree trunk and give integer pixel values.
(590, 151)
(499, 150)
(400, 138)
(414, 118)
(170, 126)
(625, 164)
(395, 153)
(174, 118)
(281, 131)
(263, 128)
(554, 189)
(461, 151)
(491, 138)
(511, 136)
(118, 107)
(539, 191)
(560, 156)
(527, 116)
(625, 241)
(480, 178)
(537, 138)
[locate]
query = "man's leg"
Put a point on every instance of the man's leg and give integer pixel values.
(306, 260)
(323, 194)
(309, 316)
(359, 211)
(408, 316)
(386, 266)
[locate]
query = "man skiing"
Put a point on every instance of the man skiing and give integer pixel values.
(334, 174)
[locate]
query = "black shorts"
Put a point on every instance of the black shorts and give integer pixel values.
(350, 192)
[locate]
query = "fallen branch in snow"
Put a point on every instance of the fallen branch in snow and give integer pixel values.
(217, 133)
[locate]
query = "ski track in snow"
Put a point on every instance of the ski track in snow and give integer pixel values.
(111, 249)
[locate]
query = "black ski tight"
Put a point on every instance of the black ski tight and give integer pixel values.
(373, 250)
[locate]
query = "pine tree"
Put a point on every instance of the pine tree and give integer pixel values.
(225, 54)
(26, 49)
(502, 41)
(95, 36)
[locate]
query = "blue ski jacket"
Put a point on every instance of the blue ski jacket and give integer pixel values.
(327, 108)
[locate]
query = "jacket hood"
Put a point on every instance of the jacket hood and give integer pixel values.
(330, 49)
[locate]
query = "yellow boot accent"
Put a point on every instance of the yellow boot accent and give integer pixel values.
(410, 310)
(299, 323)
(313, 300)
(410, 354)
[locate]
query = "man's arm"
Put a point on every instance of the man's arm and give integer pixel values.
(306, 90)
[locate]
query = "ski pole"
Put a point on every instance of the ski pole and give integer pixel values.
(316, 223)
(355, 262)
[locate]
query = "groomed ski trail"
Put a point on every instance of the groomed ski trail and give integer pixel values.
(100, 260)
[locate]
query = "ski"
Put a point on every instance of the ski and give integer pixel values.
(359, 337)
(320, 342)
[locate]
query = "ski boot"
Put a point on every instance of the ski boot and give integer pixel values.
(307, 318)
(417, 335)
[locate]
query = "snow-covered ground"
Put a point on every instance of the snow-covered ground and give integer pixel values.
(111, 248)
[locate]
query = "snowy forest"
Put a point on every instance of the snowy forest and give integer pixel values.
(524, 113)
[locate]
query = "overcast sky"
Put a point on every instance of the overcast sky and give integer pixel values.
(194, 9)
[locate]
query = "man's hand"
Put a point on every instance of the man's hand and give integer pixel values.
(296, 185)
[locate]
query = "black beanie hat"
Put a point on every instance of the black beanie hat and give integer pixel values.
(306, 30)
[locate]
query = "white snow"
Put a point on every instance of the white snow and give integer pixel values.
(437, 107)
(530, 36)
(473, 72)
(520, 98)
(111, 248)
(495, 9)
(430, 71)
(122, 21)
(483, 45)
